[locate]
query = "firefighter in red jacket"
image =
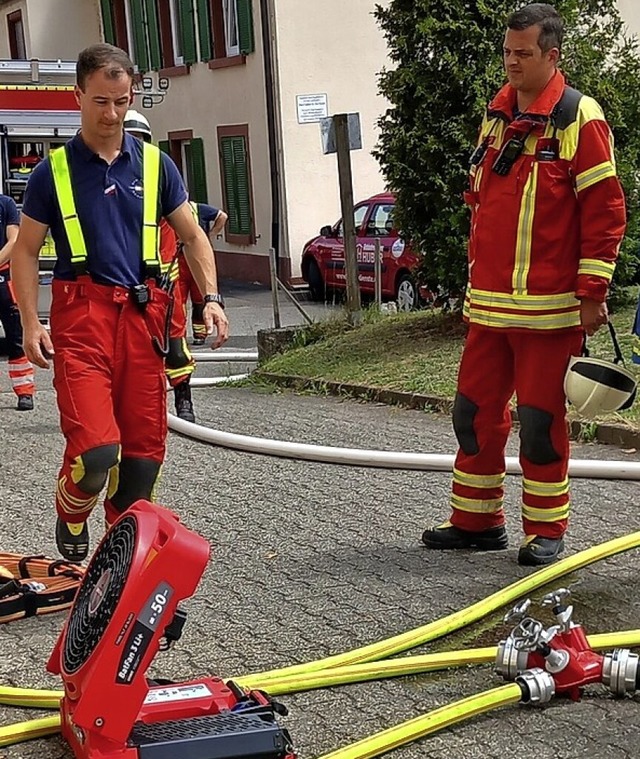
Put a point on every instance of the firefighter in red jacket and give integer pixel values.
(548, 217)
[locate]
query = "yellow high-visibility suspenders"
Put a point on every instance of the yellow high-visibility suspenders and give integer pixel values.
(150, 243)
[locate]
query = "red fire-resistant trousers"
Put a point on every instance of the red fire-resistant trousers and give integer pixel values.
(494, 365)
(111, 394)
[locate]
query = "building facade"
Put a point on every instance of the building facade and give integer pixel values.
(248, 81)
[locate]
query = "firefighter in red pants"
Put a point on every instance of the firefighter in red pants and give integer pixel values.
(548, 217)
(102, 195)
(179, 364)
(212, 221)
(20, 368)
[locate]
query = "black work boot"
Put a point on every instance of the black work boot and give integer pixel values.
(25, 403)
(72, 540)
(184, 405)
(537, 551)
(446, 537)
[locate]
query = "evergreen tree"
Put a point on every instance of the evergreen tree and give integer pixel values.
(447, 57)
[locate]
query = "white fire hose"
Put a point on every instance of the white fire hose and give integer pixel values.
(578, 468)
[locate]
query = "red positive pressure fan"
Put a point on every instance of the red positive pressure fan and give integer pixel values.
(126, 610)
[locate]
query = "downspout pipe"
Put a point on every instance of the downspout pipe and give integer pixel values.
(270, 98)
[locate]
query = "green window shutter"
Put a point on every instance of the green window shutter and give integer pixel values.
(107, 22)
(153, 29)
(164, 146)
(198, 171)
(188, 31)
(245, 26)
(139, 36)
(236, 182)
(204, 30)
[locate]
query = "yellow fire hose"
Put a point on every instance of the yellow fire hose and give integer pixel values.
(459, 619)
(429, 723)
(26, 731)
(313, 675)
(349, 674)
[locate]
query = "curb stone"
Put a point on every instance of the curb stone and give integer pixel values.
(621, 435)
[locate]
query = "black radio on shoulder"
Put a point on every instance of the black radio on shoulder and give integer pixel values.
(140, 295)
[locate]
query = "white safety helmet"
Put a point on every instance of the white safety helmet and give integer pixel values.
(595, 386)
(138, 124)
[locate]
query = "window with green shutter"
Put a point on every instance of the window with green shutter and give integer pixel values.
(187, 31)
(153, 34)
(138, 32)
(204, 30)
(236, 183)
(198, 187)
(245, 26)
(108, 24)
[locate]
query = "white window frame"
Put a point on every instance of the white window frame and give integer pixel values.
(178, 60)
(230, 11)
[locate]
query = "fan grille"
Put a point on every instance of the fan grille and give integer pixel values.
(99, 594)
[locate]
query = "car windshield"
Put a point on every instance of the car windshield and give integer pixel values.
(380, 222)
(358, 217)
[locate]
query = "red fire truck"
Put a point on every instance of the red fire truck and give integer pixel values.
(38, 112)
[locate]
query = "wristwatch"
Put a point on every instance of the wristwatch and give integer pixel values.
(214, 298)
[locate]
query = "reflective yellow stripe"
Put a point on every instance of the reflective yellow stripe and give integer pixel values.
(194, 209)
(66, 201)
(596, 268)
(594, 175)
(476, 506)
(545, 515)
(478, 480)
(524, 240)
(526, 321)
(62, 183)
(548, 489)
(182, 371)
(523, 301)
(478, 179)
(151, 190)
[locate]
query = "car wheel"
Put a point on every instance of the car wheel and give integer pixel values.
(406, 293)
(316, 283)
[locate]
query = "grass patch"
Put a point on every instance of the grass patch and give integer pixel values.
(417, 353)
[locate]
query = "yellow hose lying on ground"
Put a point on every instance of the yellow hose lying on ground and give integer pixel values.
(26, 731)
(438, 719)
(408, 665)
(458, 619)
(352, 673)
(288, 679)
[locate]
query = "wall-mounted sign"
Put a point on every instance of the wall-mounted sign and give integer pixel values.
(312, 108)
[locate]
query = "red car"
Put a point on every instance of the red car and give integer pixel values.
(323, 257)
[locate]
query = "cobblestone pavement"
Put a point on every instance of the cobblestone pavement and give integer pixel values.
(311, 559)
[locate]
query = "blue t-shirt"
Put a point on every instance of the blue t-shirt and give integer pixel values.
(206, 216)
(8, 215)
(109, 205)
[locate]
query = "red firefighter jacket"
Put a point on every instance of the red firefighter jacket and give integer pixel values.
(547, 232)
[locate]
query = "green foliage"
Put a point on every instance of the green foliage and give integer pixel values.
(447, 57)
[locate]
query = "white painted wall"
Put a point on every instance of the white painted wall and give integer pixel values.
(333, 47)
(208, 98)
(62, 28)
(52, 28)
(630, 10)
